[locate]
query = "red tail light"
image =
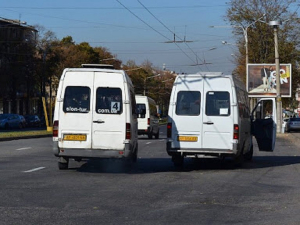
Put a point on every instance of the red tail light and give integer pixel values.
(55, 128)
(128, 131)
(169, 130)
(148, 121)
(235, 131)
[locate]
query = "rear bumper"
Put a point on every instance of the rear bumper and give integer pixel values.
(92, 153)
(143, 131)
(201, 151)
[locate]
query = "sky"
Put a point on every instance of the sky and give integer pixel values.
(139, 30)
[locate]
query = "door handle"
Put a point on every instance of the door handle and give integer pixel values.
(98, 121)
(208, 123)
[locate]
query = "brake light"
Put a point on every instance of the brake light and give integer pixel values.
(148, 121)
(169, 130)
(55, 128)
(128, 131)
(235, 131)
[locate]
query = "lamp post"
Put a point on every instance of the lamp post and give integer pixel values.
(275, 25)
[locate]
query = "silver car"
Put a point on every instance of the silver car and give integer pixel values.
(293, 124)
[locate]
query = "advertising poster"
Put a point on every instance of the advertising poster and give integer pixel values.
(261, 80)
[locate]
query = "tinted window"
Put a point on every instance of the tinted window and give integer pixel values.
(188, 103)
(217, 104)
(109, 100)
(77, 99)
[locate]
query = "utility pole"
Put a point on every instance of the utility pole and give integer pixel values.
(275, 25)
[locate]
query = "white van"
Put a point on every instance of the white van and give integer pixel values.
(95, 115)
(148, 121)
(209, 116)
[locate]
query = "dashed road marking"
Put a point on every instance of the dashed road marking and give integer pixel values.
(33, 170)
(20, 149)
(148, 143)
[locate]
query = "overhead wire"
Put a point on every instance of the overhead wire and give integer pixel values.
(173, 34)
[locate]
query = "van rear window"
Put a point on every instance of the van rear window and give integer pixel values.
(188, 103)
(109, 100)
(76, 99)
(217, 103)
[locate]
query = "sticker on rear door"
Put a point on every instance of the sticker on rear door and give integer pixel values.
(115, 107)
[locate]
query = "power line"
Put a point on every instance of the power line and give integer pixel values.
(174, 36)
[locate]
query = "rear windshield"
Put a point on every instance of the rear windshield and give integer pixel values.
(109, 100)
(188, 103)
(217, 103)
(77, 99)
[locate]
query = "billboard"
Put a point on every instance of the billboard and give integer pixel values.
(261, 80)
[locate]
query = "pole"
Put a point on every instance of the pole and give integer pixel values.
(278, 96)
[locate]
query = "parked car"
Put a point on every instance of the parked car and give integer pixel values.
(33, 121)
(8, 121)
(293, 124)
(24, 122)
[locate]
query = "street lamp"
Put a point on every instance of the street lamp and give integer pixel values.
(275, 25)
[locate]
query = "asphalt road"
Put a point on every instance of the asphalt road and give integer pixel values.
(206, 191)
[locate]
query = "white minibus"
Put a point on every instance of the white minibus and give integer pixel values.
(209, 116)
(95, 115)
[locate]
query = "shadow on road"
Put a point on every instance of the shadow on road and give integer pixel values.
(158, 165)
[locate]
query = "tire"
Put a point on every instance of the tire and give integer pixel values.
(150, 134)
(249, 155)
(178, 161)
(238, 160)
(63, 166)
(157, 135)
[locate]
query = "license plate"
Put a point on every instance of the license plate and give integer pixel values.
(74, 137)
(188, 138)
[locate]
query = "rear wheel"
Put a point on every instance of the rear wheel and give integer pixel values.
(150, 134)
(157, 135)
(63, 163)
(249, 155)
(178, 160)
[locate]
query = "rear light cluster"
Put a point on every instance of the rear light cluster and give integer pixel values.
(235, 131)
(128, 131)
(148, 121)
(169, 130)
(55, 128)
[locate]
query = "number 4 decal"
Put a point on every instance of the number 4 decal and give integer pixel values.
(115, 107)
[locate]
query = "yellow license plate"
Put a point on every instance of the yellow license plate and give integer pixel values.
(74, 137)
(187, 138)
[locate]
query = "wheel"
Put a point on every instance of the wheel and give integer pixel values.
(249, 155)
(63, 163)
(157, 135)
(150, 134)
(239, 159)
(63, 166)
(178, 160)
(20, 126)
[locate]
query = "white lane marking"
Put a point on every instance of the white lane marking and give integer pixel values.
(33, 170)
(20, 149)
(148, 143)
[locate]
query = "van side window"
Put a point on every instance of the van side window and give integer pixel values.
(188, 103)
(76, 99)
(109, 100)
(133, 104)
(217, 103)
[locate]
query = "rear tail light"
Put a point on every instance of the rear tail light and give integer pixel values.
(148, 121)
(55, 128)
(128, 131)
(169, 130)
(235, 131)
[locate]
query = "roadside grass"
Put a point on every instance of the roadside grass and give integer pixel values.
(15, 134)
